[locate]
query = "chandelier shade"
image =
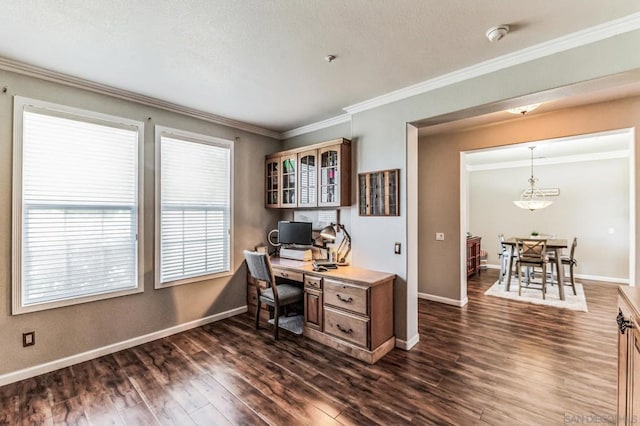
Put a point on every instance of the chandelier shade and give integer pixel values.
(532, 198)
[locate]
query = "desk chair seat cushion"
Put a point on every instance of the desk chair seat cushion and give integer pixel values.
(286, 294)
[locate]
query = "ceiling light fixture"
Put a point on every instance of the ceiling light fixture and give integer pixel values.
(532, 198)
(523, 109)
(497, 33)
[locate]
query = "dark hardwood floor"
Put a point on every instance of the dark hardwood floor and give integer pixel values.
(494, 361)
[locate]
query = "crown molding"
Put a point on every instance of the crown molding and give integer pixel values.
(577, 158)
(318, 125)
(560, 44)
(80, 83)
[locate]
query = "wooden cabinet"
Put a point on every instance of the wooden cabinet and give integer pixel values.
(252, 299)
(289, 181)
(335, 171)
(473, 255)
(313, 302)
(317, 175)
(272, 182)
(308, 178)
(349, 309)
(628, 319)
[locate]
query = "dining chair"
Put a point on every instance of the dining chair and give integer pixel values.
(532, 253)
(570, 261)
(276, 295)
(504, 255)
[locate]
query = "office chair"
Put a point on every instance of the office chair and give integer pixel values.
(275, 295)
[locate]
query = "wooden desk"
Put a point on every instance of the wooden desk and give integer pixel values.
(552, 244)
(349, 309)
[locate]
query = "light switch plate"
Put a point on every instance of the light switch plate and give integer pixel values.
(396, 248)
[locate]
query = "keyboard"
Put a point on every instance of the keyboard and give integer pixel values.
(326, 263)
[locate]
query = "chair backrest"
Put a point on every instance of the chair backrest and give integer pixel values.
(501, 247)
(573, 248)
(532, 250)
(260, 267)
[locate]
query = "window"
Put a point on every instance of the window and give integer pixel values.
(193, 207)
(76, 203)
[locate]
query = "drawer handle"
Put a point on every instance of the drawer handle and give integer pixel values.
(622, 323)
(284, 275)
(349, 331)
(342, 299)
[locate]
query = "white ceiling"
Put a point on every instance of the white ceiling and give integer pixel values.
(262, 62)
(579, 148)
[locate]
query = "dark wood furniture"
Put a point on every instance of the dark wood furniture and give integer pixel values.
(628, 320)
(554, 245)
(349, 309)
(473, 255)
(275, 295)
(317, 175)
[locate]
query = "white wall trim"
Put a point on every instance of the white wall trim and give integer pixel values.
(578, 158)
(570, 41)
(407, 344)
(318, 125)
(445, 300)
(115, 347)
(68, 80)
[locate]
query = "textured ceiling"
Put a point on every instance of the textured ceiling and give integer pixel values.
(262, 62)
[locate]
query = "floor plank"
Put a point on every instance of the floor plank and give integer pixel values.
(494, 361)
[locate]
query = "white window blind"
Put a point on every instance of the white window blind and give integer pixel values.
(194, 206)
(78, 208)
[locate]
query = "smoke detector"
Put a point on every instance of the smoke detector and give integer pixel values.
(497, 33)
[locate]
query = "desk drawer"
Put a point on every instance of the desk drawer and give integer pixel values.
(313, 282)
(293, 276)
(346, 326)
(346, 296)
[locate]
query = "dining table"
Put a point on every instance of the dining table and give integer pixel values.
(553, 244)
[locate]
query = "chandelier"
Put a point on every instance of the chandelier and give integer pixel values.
(532, 198)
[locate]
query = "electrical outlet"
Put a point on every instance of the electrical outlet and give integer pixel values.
(28, 339)
(439, 236)
(396, 248)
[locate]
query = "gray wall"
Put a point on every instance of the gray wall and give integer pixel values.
(439, 178)
(342, 130)
(71, 330)
(594, 197)
(382, 143)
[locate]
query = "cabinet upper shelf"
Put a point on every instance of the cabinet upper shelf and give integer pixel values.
(317, 175)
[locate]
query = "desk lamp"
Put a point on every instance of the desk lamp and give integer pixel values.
(329, 233)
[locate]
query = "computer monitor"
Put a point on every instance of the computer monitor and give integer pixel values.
(295, 233)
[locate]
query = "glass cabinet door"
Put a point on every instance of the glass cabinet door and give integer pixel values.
(288, 167)
(329, 176)
(308, 179)
(272, 181)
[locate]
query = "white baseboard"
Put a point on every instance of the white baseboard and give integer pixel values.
(115, 347)
(407, 344)
(446, 300)
(601, 278)
(585, 276)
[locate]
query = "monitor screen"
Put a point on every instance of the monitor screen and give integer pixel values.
(298, 233)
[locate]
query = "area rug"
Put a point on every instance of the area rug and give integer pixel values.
(294, 323)
(534, 295)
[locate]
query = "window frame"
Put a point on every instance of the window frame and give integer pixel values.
(188, 136)
(20, 105)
